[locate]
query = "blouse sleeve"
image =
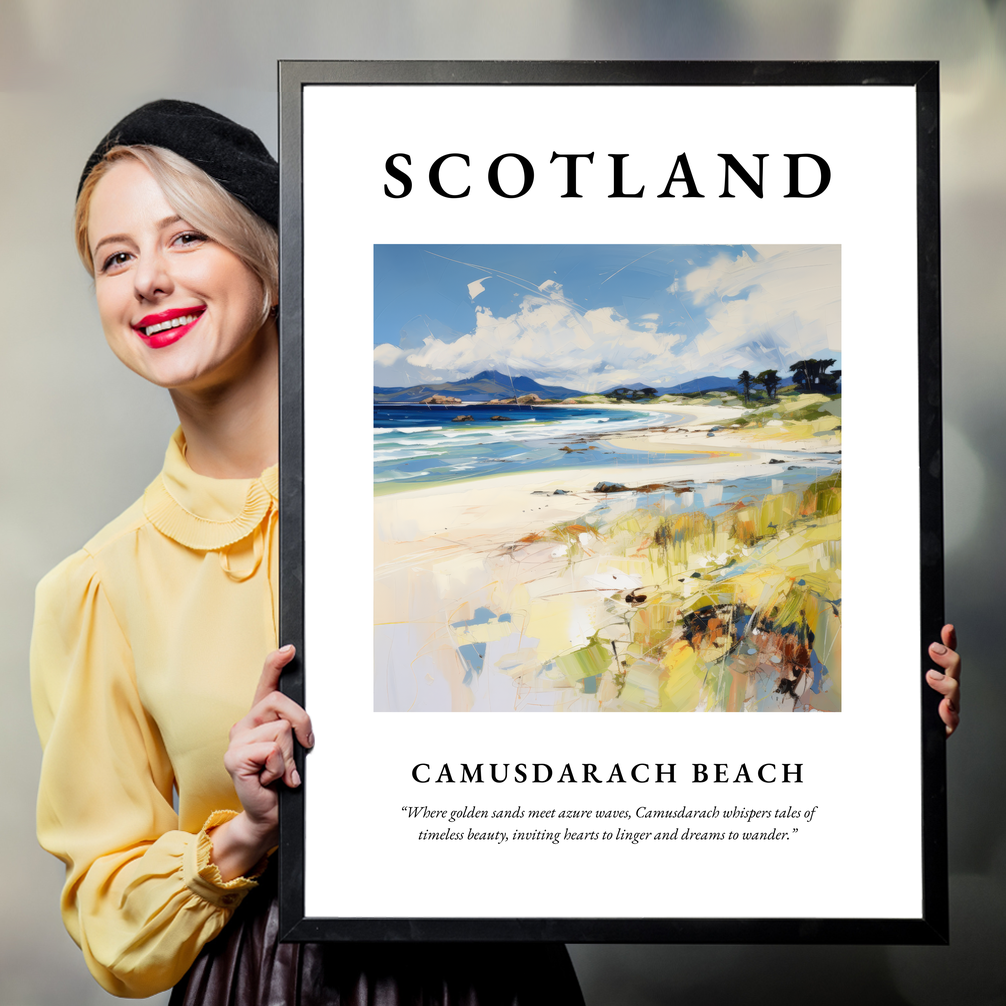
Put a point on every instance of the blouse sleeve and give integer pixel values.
(141, 898)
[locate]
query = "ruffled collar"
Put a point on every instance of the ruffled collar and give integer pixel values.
(203, 513)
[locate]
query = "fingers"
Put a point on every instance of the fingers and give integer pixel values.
(261, 749)
(949, 636)
(948, 658)
(949, 688)
(277, 706)
(262, 761)
(270, 703)
(271, 671)
(950, 715)
(265, 751)
(272, 761)
(947, 680)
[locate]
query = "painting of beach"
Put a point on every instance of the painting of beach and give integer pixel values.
(607, 478)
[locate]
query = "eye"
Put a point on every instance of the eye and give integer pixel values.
(189, 239)
(115, 261)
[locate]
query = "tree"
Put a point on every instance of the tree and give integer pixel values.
(746, 380)
(769, 380)
(632, 394)
(809, 375)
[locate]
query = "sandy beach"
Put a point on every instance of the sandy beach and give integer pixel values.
(693, 433)
(533, 590)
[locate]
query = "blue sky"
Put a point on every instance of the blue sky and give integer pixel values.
(593, 316)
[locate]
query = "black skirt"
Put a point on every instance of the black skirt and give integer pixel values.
(246, 965)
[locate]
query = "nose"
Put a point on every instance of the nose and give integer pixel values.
(152, 276)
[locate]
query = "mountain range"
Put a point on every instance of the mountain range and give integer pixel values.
(480, 388)
(492, 384)
(689, 387)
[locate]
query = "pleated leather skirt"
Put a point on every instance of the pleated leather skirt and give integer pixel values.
(246, 965)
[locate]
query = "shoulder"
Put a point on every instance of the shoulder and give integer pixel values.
(76, 571)
(116, 538)
(125, 525)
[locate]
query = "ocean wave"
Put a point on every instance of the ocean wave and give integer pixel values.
(509, 432)
(380, 456)
(405, 429)
(458, 450)
(412, 442)
(395, 476)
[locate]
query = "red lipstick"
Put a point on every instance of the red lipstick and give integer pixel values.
(166, 327)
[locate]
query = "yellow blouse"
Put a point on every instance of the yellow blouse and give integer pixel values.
(147, 647)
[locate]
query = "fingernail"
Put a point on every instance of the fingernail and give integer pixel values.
(287, 649)
(936, 675)
(938, 648)
(310, 740)
(295, 777)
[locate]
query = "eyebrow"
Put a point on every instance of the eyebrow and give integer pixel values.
(160, 225)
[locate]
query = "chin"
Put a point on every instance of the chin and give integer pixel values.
(195, 365)
(170, 374)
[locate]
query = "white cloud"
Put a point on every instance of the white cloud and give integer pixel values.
(476, 287)
(649, 322)
(769, 311)
(551, 340)
(761, 311)
(387, 355)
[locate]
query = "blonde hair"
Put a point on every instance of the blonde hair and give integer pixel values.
(199, 200)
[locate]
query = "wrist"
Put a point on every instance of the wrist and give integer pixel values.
(239, 845)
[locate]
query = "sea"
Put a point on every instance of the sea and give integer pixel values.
(416, 443)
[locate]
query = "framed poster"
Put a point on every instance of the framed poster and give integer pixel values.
(610, 398)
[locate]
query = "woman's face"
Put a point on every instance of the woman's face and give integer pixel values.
(177, 308)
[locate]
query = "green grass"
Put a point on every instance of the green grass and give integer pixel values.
(735, 605)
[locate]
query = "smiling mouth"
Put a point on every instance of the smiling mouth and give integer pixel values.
(185, 319)
(175, 321)
(167, 327)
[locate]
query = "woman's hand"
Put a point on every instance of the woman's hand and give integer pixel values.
(260, 753)
(948, 681)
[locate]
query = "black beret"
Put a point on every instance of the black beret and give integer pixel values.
(230, 154)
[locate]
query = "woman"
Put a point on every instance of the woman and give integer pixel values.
(148, 643)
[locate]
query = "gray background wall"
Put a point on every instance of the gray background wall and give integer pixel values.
(81, 436)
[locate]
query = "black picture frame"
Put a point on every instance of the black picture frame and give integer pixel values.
(932, 925)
